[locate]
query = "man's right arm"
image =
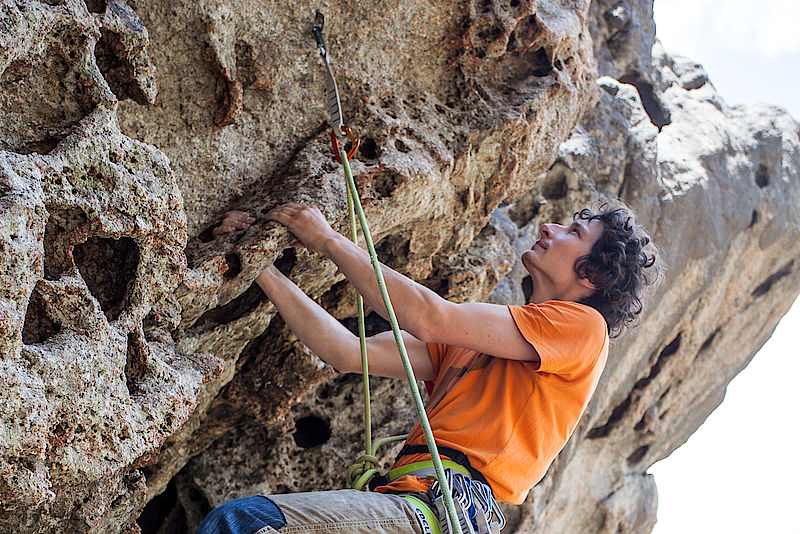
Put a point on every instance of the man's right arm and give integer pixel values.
(330, 340)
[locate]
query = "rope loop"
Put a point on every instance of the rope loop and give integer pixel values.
(362, 470)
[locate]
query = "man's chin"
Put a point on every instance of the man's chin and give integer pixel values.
(527, 260)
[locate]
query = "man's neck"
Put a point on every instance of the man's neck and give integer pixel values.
(543, 294)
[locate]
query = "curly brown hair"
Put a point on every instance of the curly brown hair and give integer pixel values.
(620, 265)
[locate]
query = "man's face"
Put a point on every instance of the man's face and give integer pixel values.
(551, 260)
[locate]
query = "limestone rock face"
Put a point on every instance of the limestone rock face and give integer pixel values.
(93, 234)
(147, 379)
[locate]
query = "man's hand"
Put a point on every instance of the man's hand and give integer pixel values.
(232, 221)
(306, 223)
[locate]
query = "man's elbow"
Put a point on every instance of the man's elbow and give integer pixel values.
(344, 355)
(344, 365)
(428, 326)
(341, 369)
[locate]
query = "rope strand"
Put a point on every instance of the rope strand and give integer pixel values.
(352, 192)
(361, 338)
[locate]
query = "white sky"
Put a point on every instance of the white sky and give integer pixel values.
(740, 472)
(750, 49)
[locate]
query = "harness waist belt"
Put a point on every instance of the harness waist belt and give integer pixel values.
(425, 469)
(457, 457)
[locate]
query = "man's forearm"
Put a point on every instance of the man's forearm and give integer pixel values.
(315, 327)
(416, 307)
(414, 304)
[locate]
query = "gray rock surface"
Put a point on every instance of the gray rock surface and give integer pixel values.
(726, 224)
(145, 376)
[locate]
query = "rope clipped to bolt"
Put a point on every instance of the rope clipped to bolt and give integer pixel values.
(366, 466)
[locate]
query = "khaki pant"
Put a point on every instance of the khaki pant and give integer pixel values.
(348, 511)
(324, 512)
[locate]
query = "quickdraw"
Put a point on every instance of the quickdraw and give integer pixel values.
(338, 127)
(366, 466)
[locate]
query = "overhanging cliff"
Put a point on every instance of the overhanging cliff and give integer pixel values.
(141, 364)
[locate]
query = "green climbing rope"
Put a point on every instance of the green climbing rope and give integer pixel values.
(362, 336)
(366, 466)
(369, 459)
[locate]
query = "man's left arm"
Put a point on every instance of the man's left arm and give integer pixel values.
(487, 328)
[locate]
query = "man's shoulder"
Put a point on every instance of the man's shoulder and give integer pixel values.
(571, 309)
(565, 319)
(569, 337)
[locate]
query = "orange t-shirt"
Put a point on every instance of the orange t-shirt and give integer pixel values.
(511, 419)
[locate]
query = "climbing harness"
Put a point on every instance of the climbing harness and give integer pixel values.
(471, 492)
(455, 455)
(366, 466)
(477, 511)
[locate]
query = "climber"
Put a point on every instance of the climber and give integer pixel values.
(507, 384)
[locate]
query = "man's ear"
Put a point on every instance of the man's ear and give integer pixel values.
(585, 282)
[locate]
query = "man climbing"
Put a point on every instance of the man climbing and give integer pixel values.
(507, 384)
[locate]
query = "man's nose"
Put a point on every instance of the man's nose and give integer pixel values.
(547, 230)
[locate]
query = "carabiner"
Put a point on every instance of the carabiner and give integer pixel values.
(316, 28)
(335, 145)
